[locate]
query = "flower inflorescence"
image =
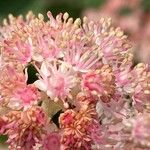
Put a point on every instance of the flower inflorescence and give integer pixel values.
(84, 69)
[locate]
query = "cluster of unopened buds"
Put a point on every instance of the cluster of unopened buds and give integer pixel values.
(71, 85)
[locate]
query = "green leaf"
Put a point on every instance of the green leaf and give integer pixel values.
(3, 138)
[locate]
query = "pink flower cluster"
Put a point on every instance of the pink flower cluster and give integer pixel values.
(132, 18)
(84, 71)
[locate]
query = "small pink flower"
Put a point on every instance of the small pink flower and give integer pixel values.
(81, 57)
(47, 48)
(51, 141)
(141, 93)
(141, 129)
(100, 82)
(95, 131)
(15, 91)
(67, 118)
(25, 128)
(56, 82)
(22, 50)
(28, 95)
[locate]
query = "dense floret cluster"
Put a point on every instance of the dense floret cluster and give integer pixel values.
(80, 71)
(133, 17)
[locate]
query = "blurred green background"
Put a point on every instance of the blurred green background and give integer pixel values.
(74, 7)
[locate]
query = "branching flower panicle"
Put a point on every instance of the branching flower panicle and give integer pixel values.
(71, 85)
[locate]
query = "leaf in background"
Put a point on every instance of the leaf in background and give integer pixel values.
(3, 138)
(146, 5)
(31, 74)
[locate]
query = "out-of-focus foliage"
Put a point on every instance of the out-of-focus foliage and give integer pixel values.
(3, 138)
(17, 7)
(146, 5)
(74, 7)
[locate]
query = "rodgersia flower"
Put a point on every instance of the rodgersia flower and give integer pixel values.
(56, 82)
(76, 124)
(132, 18)
(100, 82)
(142, 88)
(24, 129)
(141, 130)
(52, 141)
(14, 90)
(137, 132)
(69, 85)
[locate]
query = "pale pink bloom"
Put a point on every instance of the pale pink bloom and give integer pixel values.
(1, 62)
(28, 95)
(144, 52)
(115, 48)
(47, 48)
(141, 94)
(51, 141)
(96, 132)
(56, 81)
(128, 15)
(100, 83)
(2, 125)
(15, 91)
(87, 66)
(81, 57)
(137, 88)
(9, 26)
(141, 129)
(123, 78)
(25, 129)
(10, 37)
(22, 50)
